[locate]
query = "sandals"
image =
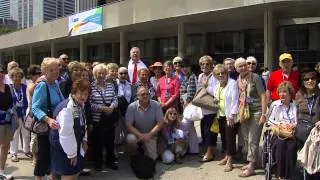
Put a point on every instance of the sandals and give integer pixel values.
(228, 167)
(247, 173)
(206, 159)
(244, 167)
(222, 162)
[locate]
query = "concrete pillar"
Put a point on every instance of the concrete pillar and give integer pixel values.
(153, 49)
(1, 58)
(115, 53)
(204, 44)
(13, 55)
(32, 56)
(269, 39)
(83, 50)
(53, 50)
(124, 59)
(181, 40)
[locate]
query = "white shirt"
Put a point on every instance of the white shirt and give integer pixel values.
(279, 113)
(124, 90)
(140, 65)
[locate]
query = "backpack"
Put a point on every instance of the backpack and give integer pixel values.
(143, 166)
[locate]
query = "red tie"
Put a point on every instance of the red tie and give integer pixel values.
(135, 74)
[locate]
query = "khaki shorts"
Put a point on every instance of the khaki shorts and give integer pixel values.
(5, 134)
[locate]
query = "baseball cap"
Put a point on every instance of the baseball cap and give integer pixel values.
(285, 56)
(177, 59)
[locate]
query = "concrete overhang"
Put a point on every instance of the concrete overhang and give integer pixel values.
(143, 15)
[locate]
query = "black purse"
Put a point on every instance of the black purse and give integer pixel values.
(303, 130)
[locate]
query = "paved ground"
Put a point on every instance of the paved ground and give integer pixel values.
(190, 169)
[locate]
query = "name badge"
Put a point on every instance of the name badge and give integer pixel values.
(249, 100)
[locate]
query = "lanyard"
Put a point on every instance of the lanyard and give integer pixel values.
(287, 113)
(19, 98)
(310, 105)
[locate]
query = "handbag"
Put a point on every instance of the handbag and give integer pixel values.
(303, 130)
(205, 100)
(282, 131)
(36, 126)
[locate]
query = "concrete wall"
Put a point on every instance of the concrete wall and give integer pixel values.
(126, 13)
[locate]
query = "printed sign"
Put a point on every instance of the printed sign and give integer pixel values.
(85, 22)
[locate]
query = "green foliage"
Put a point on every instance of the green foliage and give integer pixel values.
(5, 30)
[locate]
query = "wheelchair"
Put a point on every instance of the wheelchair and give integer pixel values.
(268, 162)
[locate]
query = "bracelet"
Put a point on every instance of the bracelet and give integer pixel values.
(265, 115)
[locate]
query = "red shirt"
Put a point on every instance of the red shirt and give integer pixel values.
(277, 77)
(168, 87)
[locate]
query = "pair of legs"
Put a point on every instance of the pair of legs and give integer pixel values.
(72, 177)
(228, 138)
(285, 155)
(103, 138)
(251, 131)
(15, 142)
(43, 157)
(150, 147)
(209, 139)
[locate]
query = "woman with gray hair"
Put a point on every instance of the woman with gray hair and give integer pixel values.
(20, 104)
(251, 113)
(104, 102)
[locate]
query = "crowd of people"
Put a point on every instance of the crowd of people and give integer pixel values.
(98, 106)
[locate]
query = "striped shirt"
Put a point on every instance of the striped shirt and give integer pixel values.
(188, 88)
(97, 101)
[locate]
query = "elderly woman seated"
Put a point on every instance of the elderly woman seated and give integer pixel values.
(283, 117)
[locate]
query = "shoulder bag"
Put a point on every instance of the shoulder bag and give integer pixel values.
(36, 126)
(205, 100)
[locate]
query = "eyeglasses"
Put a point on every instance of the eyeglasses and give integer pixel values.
(123, 73)
(172, 113)
(37, 73)
(251, 63)
(308, 79)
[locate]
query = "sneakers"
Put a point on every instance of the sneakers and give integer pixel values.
(5, 176)
(14, 158)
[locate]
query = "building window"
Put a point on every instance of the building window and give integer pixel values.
(93, 53)
(194, 47)
(299, 40)
(168, 48)
(295, 37)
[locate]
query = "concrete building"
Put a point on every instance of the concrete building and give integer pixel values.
(8, 23)
(164, 29)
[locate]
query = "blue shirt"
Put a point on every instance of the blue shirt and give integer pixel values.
(39, 99)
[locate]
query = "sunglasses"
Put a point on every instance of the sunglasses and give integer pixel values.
(123, 73)
(144, 94)
(172, 113)
(251, 63)
(308, 79)
(204, 64)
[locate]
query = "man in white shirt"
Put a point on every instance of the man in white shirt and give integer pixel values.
(124, 87)
(134, 65)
